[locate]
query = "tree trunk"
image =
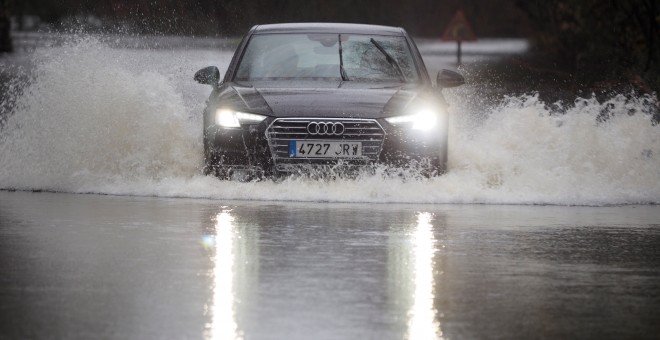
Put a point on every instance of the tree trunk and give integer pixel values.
(5, 27)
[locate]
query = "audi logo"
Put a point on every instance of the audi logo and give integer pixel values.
(325, 128)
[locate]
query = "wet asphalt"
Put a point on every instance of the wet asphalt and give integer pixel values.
(94, 266)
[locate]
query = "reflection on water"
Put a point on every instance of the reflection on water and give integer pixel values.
(233, 249)
(422, 322)
(222, 308)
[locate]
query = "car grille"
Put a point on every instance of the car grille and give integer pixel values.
(283, 130)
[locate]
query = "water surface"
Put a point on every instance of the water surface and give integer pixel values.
(89, 266)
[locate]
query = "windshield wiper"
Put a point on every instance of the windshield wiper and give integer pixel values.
(390, 60)
(344, 76)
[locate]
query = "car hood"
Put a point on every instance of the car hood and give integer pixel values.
(352, 100)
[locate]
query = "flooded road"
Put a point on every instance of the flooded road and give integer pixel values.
(377, 257)
(95, 266)
(93, 117)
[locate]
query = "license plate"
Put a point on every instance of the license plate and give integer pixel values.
(324, 149)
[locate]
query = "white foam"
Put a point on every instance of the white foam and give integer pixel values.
(103, 120)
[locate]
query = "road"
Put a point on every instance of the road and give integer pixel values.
(94, 266)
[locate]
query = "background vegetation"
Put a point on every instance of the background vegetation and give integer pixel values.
(227, 17)
(600, 42)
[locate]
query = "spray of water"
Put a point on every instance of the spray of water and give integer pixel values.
(98, 119)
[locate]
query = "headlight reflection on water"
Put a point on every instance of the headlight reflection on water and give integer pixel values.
(222, 308)
(421, 316)
(226, 249)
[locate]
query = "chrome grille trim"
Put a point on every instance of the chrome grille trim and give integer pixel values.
(283, 130)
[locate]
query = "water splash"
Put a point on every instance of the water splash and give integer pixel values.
(89, 115)
(107, 120)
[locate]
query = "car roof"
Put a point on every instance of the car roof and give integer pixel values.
(326, 27)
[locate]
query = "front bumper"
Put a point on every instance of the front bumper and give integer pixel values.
(263, 148)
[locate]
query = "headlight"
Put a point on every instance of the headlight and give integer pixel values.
(231, 118)
(425, 120)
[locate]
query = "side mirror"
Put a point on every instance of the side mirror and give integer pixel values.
(208, 76)
(448, 79)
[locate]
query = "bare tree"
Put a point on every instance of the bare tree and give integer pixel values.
(5, 27)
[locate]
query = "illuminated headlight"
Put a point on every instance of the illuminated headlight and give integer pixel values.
(425, 120)
(231, 118)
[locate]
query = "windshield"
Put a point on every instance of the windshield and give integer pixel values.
(318, 56)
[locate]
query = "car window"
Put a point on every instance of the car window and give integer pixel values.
(316, 56)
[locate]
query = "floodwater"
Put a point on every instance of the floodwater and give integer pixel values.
(181, 255)
(90, 117)
(90, 266)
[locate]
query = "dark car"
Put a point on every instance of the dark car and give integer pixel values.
(324, 96)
